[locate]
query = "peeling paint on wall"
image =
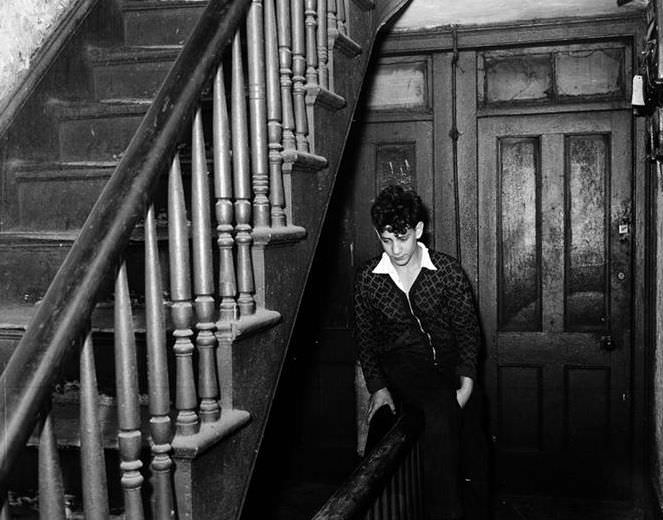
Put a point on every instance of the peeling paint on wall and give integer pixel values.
(24, 27)
(428, 14)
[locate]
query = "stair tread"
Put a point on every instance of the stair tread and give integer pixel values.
(305, 160)
(325, 97)
(29, 166)
(108, 107)
(347, 45)
(66, 420)
(142, 5)
(133, 54)
(17, 316)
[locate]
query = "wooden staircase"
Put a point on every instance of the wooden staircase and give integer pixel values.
(244, 277)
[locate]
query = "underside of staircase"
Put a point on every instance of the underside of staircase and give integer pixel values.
(58, 155)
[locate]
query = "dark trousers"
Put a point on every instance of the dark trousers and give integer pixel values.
(414, 382)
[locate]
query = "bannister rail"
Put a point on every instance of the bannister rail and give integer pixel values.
(62, 316)
(387, 483)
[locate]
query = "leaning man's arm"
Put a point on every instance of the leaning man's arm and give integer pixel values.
(465, 323)
(367, 335)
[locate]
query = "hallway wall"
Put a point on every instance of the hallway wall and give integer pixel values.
(25, 26)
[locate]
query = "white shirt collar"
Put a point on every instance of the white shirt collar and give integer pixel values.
(386, 267)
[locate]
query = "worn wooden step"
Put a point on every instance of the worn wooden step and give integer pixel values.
(66, 420)
(96, 131)
(129, 72)
(29, 261)
(52, 196)
(160, 22)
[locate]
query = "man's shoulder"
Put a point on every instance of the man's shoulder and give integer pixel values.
(365, 276)
(367, 267)
(442, 260)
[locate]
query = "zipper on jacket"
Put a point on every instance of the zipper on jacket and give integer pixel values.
(421, 328)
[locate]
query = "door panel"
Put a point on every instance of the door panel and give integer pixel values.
(555, 296)
(393, 153)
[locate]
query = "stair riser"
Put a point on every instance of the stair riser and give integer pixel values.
(163, 26)
(52, 200)
(8, 341)
(26, 270)
(104, 357)
(25, 475)
(103, 138)
(129, 80)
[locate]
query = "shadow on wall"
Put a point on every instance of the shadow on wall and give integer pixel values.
(24, 27)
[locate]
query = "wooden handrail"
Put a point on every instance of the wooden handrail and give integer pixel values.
(61, 316)
(356, 495)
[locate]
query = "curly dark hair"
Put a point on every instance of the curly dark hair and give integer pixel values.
(396, 209)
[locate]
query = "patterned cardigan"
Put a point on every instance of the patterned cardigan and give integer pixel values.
(439, 320)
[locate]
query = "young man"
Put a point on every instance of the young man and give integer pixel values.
(418, 337)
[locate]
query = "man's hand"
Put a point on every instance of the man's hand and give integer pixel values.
(465, 391)
(379, 399)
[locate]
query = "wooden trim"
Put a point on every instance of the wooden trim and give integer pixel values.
(391, 116)
(557, 108)
(44, 58)
(520, 34)
(641, 289)
(445, 221)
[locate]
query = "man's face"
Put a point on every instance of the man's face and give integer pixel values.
(401, 249)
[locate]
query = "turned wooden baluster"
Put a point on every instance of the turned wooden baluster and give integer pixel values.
(332, 32)
(157, 377)
(51, 487)
(418, 484)
(187, 422)
(274, 130)
(128, 403)
(93, 463)
(409, 488)
(384, 503)
(311, 43)
(203, 276)
(340, 17)
(242, 184)
(393, 497)
(258, 113)
(298, 74)
(285, 65)
(323, 45)
(223, 191)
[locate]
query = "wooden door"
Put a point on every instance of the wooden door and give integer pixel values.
(390, 153)
(555, 242)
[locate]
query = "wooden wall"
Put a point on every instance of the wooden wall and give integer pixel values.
(323, 354)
